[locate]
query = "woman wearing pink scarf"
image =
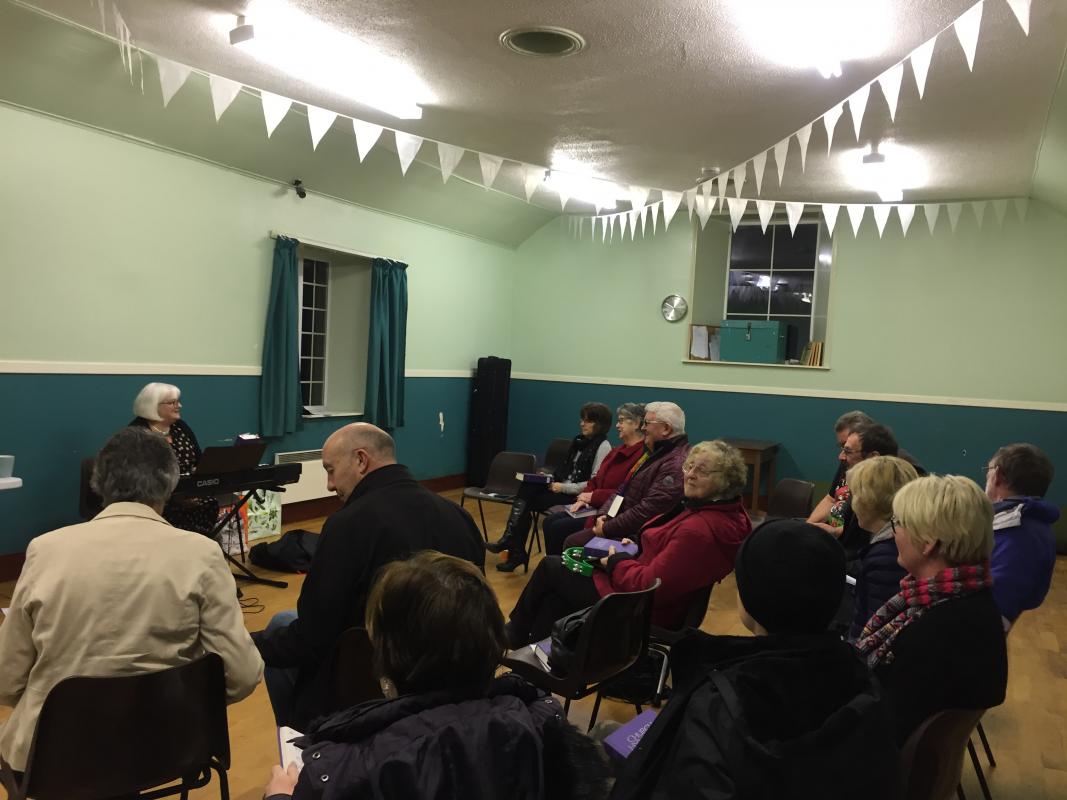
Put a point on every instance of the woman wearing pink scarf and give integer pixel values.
(939, 643)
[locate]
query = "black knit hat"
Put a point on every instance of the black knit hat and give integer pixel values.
(791, 576)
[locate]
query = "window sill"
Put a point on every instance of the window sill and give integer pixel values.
(752, 364)
(331, 414)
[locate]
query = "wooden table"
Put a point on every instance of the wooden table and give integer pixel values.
(756, 453)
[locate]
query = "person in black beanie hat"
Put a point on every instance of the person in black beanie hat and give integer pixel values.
(791, 712)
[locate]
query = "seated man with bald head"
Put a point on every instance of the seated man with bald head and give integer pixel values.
(386, 516)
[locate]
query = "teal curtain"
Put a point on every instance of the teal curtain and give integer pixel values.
(279, 386)
(388, 340)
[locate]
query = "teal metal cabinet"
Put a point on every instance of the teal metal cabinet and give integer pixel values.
(755, 341)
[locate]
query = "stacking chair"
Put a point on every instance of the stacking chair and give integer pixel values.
(932, 758)
(613, 637)
(554, 455)
(790, 498)
(663, 639)
(109, 737)
(354, 681)
(501, 485)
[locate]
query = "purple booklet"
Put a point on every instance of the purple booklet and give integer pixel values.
(598, 547)
(542, 650)
(623, 741)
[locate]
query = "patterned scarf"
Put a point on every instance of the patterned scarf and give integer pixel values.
(914, 599)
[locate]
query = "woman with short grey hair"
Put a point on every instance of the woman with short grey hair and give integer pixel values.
(159, 410)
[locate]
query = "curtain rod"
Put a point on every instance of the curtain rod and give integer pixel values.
(324, 245)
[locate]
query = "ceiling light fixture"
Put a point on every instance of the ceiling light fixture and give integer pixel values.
(885, 168)
(310, 50)
(570, 176)
(544, 41)
(818, 33)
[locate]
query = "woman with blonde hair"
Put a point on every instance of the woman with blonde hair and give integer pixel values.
(939, 643)
(873, 484)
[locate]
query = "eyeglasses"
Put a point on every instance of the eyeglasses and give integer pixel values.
(171, 403)
(700, 472)
(894, 520)
(654, 422)
(850, 452)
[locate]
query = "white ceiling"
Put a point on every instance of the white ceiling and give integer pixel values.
(664, 88)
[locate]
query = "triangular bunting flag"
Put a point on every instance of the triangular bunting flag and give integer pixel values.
(765, 208)
(793, 212)
(223, 91)
(671, 202)
(829, 213)
(707, 187)
(532, 177)
(172, 77)
(275, 107)
(739, 174)
(857, 105)
(802, 138)
(603, 229)
(906, 212)
(654, 211)
(367, 134)
(920, 63)
(830, 119)
(1000, 208)
(690, 201)
(781, 152)
(1022, 205)
(759, 164)
(722, 188)
(931, 210)
(449, 155)
(979, 211)
(881, 216)
(407, 147)
(642, 213)
(1021, 9)
(490, 167)
(319, 121)
(967, 27)
(954, 211)
(737, 210)
(564, 198)
(704, 208)
(890, 81)
(855, 215)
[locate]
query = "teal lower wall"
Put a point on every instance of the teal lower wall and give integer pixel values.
(945, 439)
(51, 422)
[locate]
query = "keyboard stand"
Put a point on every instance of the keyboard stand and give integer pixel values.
(246, 573)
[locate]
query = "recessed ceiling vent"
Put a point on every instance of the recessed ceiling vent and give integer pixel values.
(544, 41)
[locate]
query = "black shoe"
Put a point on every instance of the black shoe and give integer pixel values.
(513, 563)
(498, 546)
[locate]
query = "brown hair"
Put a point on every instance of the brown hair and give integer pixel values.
(435, 624)
(1026, 469)
(597, 413)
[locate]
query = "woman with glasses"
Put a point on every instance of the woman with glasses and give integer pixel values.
(689, 548)
(874, 483)
(158, 408)
(939, 642)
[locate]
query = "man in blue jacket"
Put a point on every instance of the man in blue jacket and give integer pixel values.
(1024, 547)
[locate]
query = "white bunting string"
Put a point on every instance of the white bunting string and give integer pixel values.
(781, 152)
(407, 147)
(319, 121)
(737, 210)
(367, 135)
(829, 213)
(857, 106)
(1021, 10)
(920, 63)
(759, 164)
(954, 211)
(855, 215)
(931, 210)
(223, 92)
(906, 212)
(490, 168)
(881, 216)
(803, 135)
(765, 209)
(449, 157)
(830, 119)
(172, 77)
(671, 202)
(890, 81)
(793, 212)
(275, 107)
(967, 28)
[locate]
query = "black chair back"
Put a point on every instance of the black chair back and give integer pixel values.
(790, 498)
(698, 608)
(502, 471)
(614, 635)
(354, 681)
(932, 758)
(89, 502)
(555, 454)
(103, 737)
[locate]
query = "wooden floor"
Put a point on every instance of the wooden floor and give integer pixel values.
(1028, 733)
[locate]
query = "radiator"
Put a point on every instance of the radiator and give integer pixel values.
(312, 483)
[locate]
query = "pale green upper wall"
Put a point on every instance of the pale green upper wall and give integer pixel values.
(118, 252)
(972, 315)
(1050, 172)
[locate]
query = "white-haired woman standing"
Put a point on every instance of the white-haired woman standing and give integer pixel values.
(159, 409)
(939, 643)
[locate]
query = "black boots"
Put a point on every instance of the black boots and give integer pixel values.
(512, 541)
(499, 546)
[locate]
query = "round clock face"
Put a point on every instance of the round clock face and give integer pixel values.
(674, 308)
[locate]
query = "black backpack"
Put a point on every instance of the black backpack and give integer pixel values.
(291, 553)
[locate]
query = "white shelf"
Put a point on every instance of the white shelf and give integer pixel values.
(10, 483)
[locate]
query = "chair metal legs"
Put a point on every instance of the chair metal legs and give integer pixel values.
(596, 710)
(485, 528)
(985, 744)
(978, 770)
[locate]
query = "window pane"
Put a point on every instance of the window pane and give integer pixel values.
(321, 272)
(320, 322)
(798, 334)
(750, 247)
(305, 394)
(317, 369)
(748, 292)
(305, 345)
(307, 321)
(305, 369)
(796, 251)
(791, 292)
(316, 394)
(309, 270)
(320, 297)
(319, 346)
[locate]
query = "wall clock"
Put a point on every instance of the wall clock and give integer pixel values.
(674, 308)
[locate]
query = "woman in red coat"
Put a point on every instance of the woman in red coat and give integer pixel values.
(688, 548)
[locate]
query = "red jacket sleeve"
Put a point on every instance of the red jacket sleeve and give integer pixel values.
(689, 561)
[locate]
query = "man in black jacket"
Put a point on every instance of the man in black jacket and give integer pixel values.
(386, 516)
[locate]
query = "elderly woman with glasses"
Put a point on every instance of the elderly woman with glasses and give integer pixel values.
(158, 408)
(939, 643)
(689, 548)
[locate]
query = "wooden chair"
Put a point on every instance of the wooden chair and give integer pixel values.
(613, 637)
(501, 486)
(109, 737)
(932, 758)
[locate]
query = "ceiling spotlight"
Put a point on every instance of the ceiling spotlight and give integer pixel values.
(301, 192)
(244, 32)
